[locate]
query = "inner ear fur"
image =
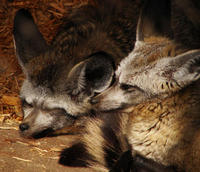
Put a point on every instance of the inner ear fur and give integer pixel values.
(181, 70)
(93, 75)
(188, 69)
(99, 71)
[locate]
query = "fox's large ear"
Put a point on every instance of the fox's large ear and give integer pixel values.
(180, 71)
(94, 74)
(154, 20)
(29, 42)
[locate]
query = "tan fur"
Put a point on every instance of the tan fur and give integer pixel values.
(93, 127)
(163, 130)
(95, 142)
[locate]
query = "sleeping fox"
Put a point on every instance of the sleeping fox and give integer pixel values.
(153, 108)
(80, 61)
(62, 77)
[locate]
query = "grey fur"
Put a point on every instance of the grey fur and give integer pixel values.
(78, 64)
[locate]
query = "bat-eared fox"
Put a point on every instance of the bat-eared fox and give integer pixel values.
(62, 77)
(153, 108)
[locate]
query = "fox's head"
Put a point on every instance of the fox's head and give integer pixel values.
(156, 68)
(56, 91)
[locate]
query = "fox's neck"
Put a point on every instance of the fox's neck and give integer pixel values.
(159, 130)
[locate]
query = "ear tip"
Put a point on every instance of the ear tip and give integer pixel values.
(22, 14)
(22, 19)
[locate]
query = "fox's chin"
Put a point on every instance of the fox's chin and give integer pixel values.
(107, 107)
(38, 134)
(43, 133)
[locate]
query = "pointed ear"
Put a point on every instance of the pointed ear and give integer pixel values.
(94, 74)
(29, 42)
(99, 71)
(154, 20)
(188, 69)
(180, 71)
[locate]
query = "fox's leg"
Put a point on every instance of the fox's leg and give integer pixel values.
(147, 165)
(124, 163)
(128, 163)
(75, 156)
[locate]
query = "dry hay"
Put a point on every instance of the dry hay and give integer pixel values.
(47, 15)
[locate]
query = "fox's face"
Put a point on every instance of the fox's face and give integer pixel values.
(156, 68)
(56, 92)
(45, 111)
(137, 83)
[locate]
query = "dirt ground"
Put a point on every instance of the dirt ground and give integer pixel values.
(23, 155)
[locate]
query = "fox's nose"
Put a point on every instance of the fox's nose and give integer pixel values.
(94, 101)
(23, 126)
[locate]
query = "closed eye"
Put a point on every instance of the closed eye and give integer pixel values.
(128, 87)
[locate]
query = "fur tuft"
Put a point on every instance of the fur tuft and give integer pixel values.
(104, 148)
(101, 144)
(75, 156)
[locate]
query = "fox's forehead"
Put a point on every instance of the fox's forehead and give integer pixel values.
(144, 56)
(46, 67)
(29, 92)
(42, 96)
(45, 98)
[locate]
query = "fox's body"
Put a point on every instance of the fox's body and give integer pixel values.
(164, 130)
(153, 108)
(62, 77)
